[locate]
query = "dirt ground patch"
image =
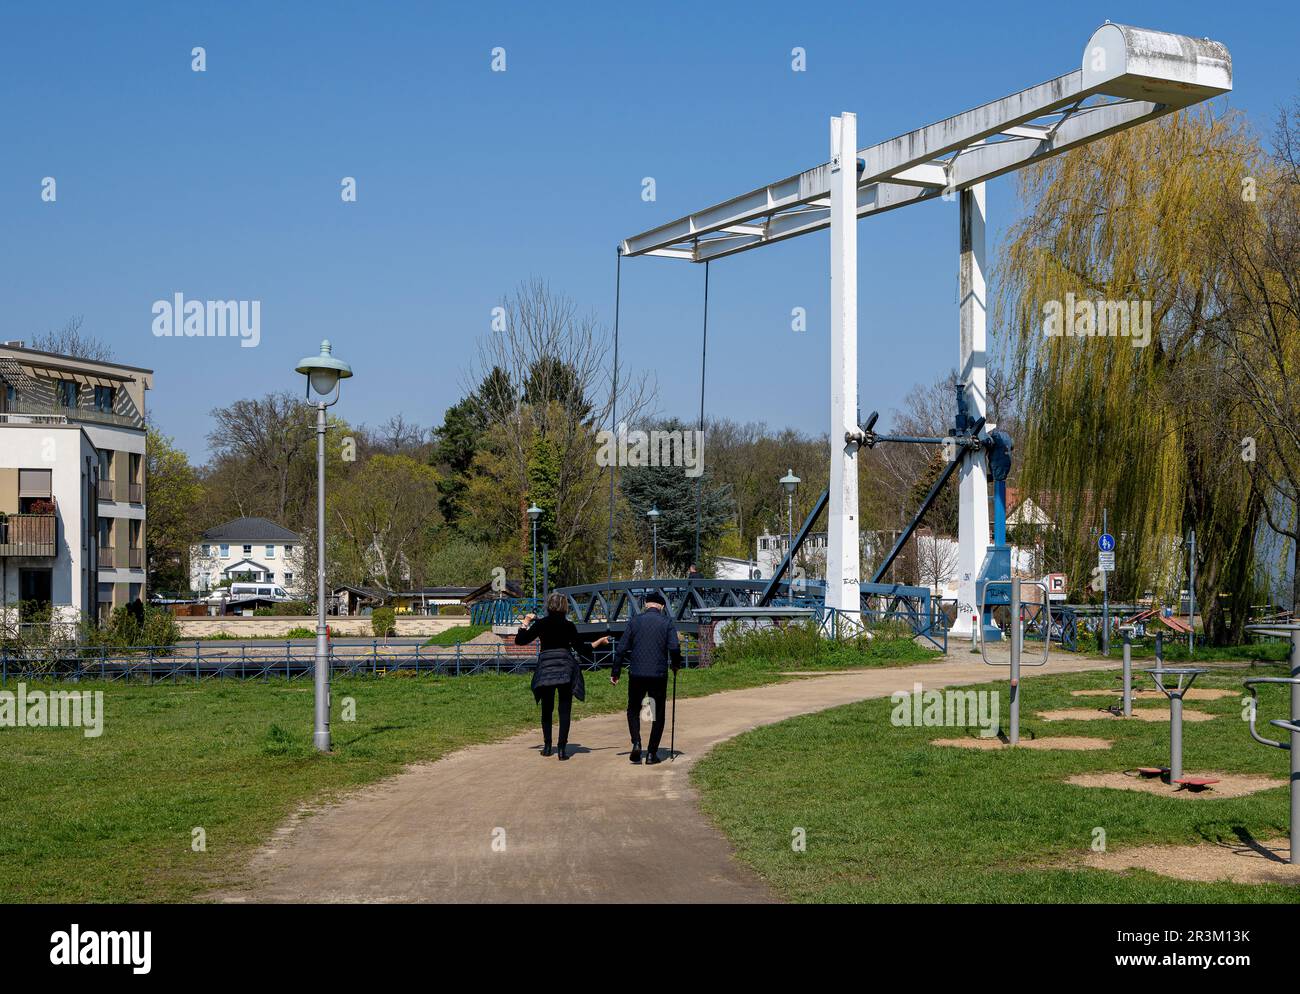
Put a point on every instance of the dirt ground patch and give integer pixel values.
(1070, 742)
(1229, 785)
(1142, 714)
(1247, 861)
(1195, 694)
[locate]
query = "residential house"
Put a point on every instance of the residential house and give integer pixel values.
(254, 549)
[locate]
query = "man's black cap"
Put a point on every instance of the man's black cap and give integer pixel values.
(654, 597)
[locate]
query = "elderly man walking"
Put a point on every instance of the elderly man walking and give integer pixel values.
(648, 648)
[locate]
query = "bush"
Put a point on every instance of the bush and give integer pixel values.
(156, 626)
(292, 609)
(160, 627)
(383, 621)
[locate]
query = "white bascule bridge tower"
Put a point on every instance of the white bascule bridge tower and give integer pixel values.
(1128, 76)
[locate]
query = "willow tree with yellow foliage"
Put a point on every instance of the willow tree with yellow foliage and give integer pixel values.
(1139, 421)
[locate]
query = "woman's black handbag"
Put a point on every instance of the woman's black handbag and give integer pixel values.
(579, 684)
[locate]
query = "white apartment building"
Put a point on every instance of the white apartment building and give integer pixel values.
(255, 549)
(72, 500)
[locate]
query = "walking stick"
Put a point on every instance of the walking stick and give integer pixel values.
(672, 735)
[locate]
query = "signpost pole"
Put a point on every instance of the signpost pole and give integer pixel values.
(1128, 673)
(1191, 594)
(1105, 597)
(1016, 634)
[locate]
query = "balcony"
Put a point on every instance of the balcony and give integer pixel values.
(26, 412)
(105, 558)
(106, 490)
(29, 535)
(136, 558)
(135, 493)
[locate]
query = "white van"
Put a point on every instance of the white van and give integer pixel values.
(267, 591)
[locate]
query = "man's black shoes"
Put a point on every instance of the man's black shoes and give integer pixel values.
(636, 753)
(563, 754)
(546, 750)
(651, 758)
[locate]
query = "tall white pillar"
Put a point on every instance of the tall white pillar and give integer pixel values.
(973, 517)
(843, 566)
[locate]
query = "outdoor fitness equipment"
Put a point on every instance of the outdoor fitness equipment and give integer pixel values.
(1175, 694)
(1291, 725)
(1017, 643)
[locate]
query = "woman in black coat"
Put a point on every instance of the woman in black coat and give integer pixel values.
(557, 666)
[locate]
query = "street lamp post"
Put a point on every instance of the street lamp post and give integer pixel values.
(323, 374)
(653, 515)
(534, 512)
(791, 484)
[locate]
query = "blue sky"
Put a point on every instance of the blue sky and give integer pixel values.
(225, 184)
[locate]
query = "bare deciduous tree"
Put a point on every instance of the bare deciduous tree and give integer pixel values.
(70, 341)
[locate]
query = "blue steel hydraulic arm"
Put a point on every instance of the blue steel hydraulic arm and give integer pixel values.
(968, 436)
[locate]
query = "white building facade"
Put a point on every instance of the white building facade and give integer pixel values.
(253, 549)
(72, 476)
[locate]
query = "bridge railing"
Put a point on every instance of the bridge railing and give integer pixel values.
(504, 611)
(611, 605)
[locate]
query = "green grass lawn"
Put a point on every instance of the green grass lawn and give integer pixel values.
(110, 818)
(889, 817)
(457, 634)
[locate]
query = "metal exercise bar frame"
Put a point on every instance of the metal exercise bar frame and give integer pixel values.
(1291, 725)
(1175, 695)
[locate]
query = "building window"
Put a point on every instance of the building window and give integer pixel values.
(225, 551)
(206, 550)
(105, 599)
(104, 397)
(11, 396)
(105, 465)
(248, 550)
(288, 550)
(288, 579)
(66, 392)
(270, 552)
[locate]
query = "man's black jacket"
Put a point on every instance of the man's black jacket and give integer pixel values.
(647, 644)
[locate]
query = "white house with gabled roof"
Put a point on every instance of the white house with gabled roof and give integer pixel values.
(253, 549)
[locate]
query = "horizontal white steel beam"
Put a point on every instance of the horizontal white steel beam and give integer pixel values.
(1145, 74)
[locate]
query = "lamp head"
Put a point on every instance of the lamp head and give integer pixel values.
(534, 513)
(323, 371)
(790, 481)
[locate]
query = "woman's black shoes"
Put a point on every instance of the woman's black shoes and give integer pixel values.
(546, 750)
(563, 753)
(635, 757)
